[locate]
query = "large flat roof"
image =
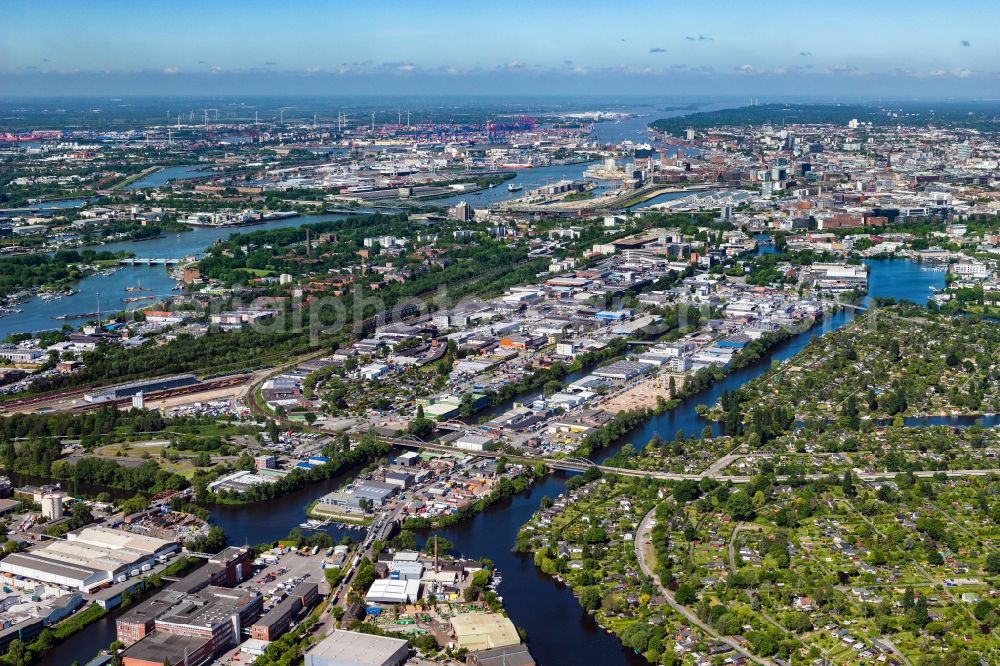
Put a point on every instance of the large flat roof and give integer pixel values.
(386, 590)
(37, 562)
(105, 537)
(481, 631)
(350, 647)
(86, 553)
(159, 646)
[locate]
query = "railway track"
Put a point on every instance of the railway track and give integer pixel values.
(211, 385)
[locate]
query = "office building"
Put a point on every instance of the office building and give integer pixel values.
(278, 620)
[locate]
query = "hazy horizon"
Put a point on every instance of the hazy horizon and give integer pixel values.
(912, 49)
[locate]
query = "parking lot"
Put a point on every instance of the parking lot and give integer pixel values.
(274, 580)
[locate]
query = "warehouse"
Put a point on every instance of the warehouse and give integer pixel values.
(511, 655)
(622, 371)
(349, 648)
(147, 386)
(484, 631)
(89, 558)
(387, 591)
(406, 570)
(375, 492)
(472, 442)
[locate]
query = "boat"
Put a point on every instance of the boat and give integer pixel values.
(80, 315)
(136, 299)
(137, 287)
(514, 188)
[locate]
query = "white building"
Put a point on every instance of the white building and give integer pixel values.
(388, 591)
(87, 559)
(472, 442)
(356, 649)
(970, 269)
(374, 371)
(52, 505)
(14, 354)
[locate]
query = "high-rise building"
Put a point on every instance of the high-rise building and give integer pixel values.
(461, 212)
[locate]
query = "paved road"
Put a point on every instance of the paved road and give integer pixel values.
(645, 527)
(580, 465)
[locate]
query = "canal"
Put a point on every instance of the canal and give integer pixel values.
(537, 602)
(558, 630)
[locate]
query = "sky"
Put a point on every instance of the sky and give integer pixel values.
(911, 48)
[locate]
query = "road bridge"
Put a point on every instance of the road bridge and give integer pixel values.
(576, 464)
(148, 261)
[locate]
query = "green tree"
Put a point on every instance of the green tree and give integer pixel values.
(590, 597)
(686, 594)
(740, 506)
(443, 545)
(847, 484)
(18, 653)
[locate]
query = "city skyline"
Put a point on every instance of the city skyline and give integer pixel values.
(912, 50)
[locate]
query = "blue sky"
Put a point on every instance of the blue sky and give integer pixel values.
(913, 48)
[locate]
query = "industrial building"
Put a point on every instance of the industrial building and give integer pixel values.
(160, 647)
(375, 492)
(229, 567)
(277, 620)
(622, 371)
(349, 648)
(189, 629)
(88, 559)
(145, 387)
(389, 591)
(510, 655)
(484, 631)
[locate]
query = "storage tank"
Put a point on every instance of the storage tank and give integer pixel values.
(52, 505)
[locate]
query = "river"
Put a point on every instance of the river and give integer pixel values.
(558, 630)
(607, 132)
(161, 176)
(104, 292)
(535, 601)
(37, 315)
